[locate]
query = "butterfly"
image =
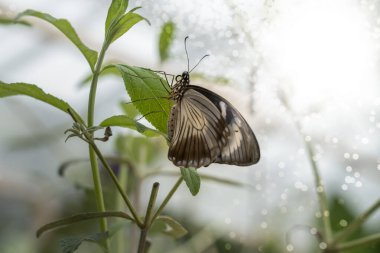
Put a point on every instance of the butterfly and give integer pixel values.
(205, 128)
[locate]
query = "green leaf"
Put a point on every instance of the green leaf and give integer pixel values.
(71, 244)
(130, 110)
(116, 9)
(125, 121)
(149, 93)
(11, 21)
(107, 70)
(166, 39)
(34, 91)
(66, 28)
(169, 226)
(122, 25)
(192, 179)
(78, 218)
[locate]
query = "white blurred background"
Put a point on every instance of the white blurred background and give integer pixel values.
(322, 57)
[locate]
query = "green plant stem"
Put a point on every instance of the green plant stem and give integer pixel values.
(359, 242)
(118, 186)
(356, 223)
(120, 242)
(321, 193)
(147, 223)
(167, 198)
(94, 164)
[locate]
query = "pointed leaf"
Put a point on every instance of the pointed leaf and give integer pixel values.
(166, 39)
(78, 218)
(71, 244)
(169, 226)
(107, 70)
(121, 26)
(192, 179)
(149, 93)
(37, 93)
(116, 9)
(66, 28)
(125, 121)
(130, 110)
(11, 21)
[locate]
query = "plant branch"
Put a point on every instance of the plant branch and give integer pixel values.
(321, 193)
(118, 186)
(167, 198)
(145, 228)
(356, 223)
(94, 164)
(359, 242)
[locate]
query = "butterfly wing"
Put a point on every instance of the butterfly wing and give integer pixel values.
(197, 131)
(242, 147)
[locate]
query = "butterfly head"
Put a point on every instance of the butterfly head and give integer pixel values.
(185, 78)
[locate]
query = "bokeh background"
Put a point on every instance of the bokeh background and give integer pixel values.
(299, 71)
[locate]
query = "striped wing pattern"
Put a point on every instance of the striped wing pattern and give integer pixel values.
(197, 131)
(205, 128)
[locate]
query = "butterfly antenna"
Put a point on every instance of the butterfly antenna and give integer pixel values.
(199, 62)
(187, 55)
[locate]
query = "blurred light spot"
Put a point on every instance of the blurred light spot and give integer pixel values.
(318, 214)
(320, 189)
(343, 223)
(228, 246)
(264, 211)
(358, 184)
(365, 140)
(322, 245)
(263, 225)
(289, 247)
(281, 165)
(378, 167)
(326, 213)
(307, 138)
(348, 168)
(344, 187)
(355, 156)
(346, 155)
(357, 174)
(335, 140)
(232, 235)
(349, 180)
(313, 231)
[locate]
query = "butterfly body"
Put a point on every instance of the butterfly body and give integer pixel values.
(204, 128)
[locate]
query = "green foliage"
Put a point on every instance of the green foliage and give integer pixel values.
(120, 26)
(66, 28)
(37, 93)
(169, 226)
(11, 21)
(130, 110)
(143, 153)
(80, 217)
(192, 179)
(115, 11)
(125, 121)
(71, 244)
(149, 94)
(166, 39)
